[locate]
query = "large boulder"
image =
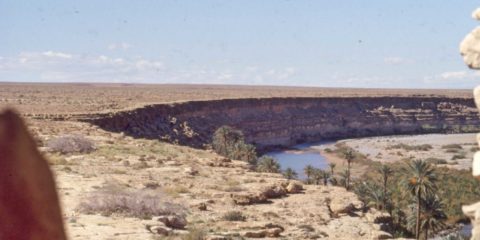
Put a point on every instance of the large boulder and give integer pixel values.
(341, 205)
(294, 187)
(274, 191)
(248, 198)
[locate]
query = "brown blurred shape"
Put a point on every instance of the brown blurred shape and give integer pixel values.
(29, 205)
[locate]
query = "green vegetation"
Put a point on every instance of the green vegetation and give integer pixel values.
(349, 157)
(452, 146)
(420, 182)
(396, 188)
(436, 161)
(459, 156)
(406, 147)
(230, 143)
(268, 164)
(319, 176)
(289, 173)
(309, 172)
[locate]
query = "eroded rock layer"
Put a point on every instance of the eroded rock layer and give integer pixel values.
(272, 122)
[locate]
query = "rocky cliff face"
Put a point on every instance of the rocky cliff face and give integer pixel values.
(286, 121)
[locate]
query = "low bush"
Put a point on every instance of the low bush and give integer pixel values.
(452, 146)
(459, 156)
(422, 147)
(116, 199)
(268, 164)
(474, 149)
(68, 144)
(436, 161)
(234, 216)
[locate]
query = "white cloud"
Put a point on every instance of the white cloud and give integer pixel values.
(455, 75)
(66, 67)
(394, 60)
(119, 46)
(57, 55)
(458, 79)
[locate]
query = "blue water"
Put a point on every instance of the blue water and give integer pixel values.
(300, 156)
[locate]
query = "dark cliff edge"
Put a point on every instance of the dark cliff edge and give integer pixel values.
(282, 122)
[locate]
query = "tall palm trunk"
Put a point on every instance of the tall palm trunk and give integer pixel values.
(348, 178)
(426, 232)
(417, 230)
(385, 192)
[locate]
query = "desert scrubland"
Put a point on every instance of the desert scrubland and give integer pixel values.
(116, 184)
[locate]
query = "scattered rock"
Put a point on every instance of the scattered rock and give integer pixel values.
(159, 229)
(190, 171)
(340, 205)
(175, 222)
(271, 232)
(202, 207)
(248, 198)
(274, 191)
(294, 187)
(172, 163)
(381, 235)
(216, 237)
(375, 216)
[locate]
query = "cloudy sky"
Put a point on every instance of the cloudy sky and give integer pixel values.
(348, 43)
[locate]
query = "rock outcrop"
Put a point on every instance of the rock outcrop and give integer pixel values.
(470, 50)
(286, 121)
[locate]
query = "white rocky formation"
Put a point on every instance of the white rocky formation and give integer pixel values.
(470, 50)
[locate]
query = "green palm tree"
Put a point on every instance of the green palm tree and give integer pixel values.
(432, 216)
(309, 170)
(317, 175)
(268, 164)
(420, 182)
(385, 171)
(332, 167)
(370, 194)
(349, 156)
(344, 176)
(325, 175)
(289, 173)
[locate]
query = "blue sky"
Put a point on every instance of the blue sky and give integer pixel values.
(348, 43)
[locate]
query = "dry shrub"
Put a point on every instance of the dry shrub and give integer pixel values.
(117, 199)
(234, 216)
(71, 144)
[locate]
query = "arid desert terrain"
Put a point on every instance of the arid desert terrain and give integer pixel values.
(134, 186)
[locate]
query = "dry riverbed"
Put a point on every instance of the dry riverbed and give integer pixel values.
(450, 150)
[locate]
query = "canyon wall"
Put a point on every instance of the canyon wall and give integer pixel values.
(273, 122)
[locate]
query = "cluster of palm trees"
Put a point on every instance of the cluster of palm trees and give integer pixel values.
(319, 176)
(417, 185)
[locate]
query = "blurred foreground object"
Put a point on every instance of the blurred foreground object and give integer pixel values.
(29, 205)
(470, 50)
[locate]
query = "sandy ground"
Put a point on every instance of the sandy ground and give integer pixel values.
(382, 148)
(78, 98)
